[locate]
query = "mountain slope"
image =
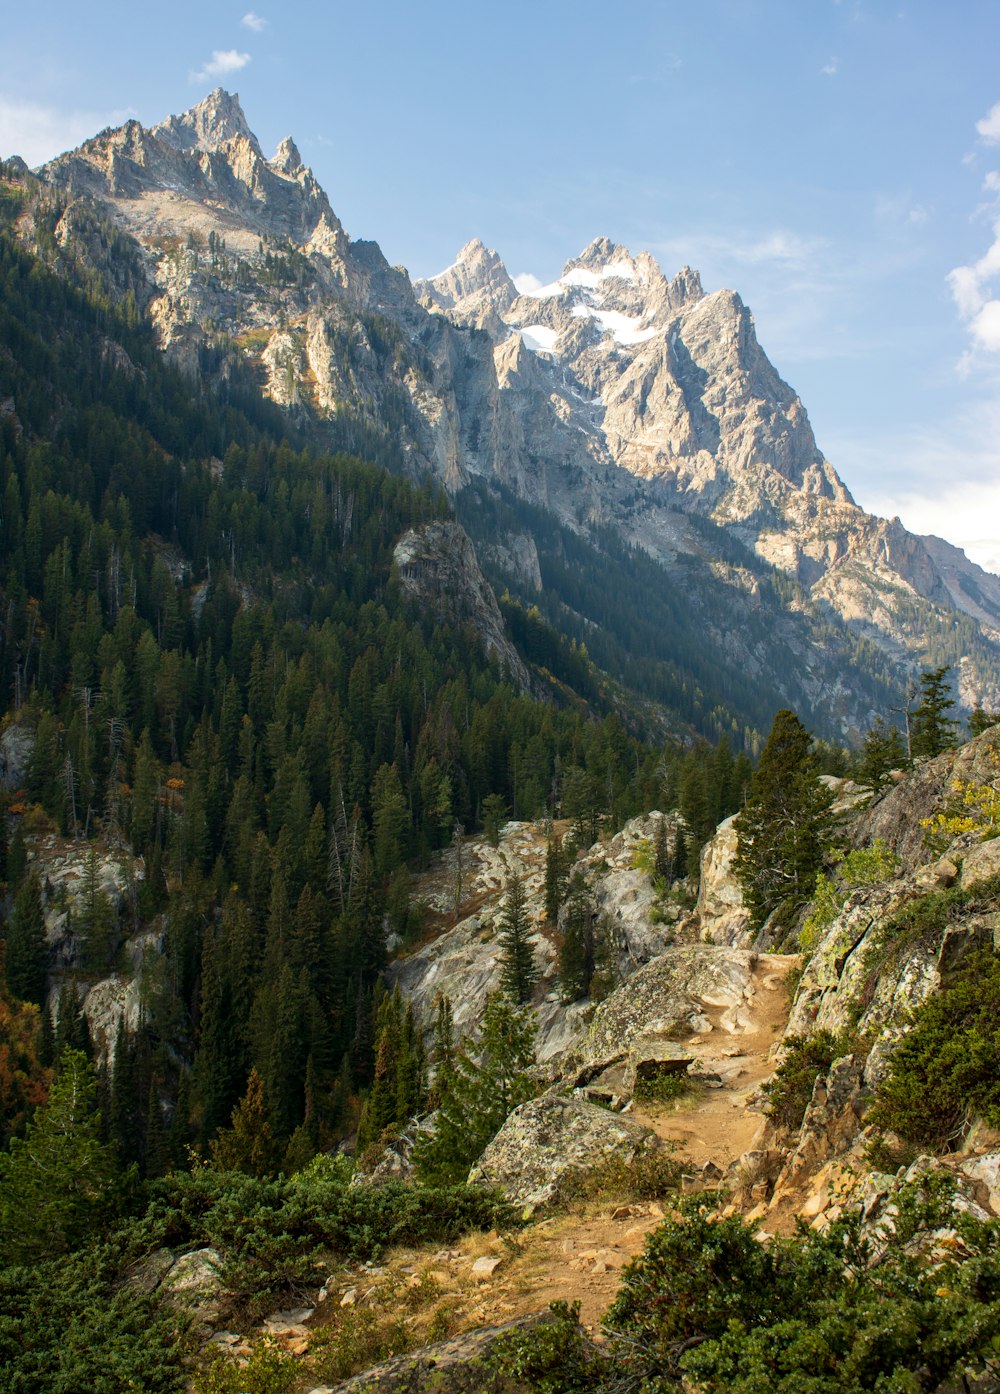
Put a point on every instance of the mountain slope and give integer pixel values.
(614, 398)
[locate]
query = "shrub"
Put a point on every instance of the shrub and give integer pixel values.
(651, 1175)
(944, 1071)
(791, 1087)
(73, 1323)
(269, 1233)
(709, 1308)
(268, 1370)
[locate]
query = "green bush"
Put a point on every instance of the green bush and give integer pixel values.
(944, 1071)
(805, 1059)
(708, 1308)
(653, 1174)
(268, 1370)
(269, 1232)
(73, 1324)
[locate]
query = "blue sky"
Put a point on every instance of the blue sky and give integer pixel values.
(835, 161)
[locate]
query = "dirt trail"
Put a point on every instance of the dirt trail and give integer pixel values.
(577, 1256)
(718, 1124)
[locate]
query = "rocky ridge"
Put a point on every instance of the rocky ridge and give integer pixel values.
(615, 395)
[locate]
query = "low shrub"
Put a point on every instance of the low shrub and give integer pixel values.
(653, 1174)
(267, 1370)
(806, 1058)
(709, 1308)
(943, 1073)
(73, 1323)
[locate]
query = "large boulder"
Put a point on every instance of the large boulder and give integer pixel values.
(675, 995)
(722, 916)
(548, 1139)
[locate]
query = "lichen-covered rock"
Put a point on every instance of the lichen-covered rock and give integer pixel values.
(671, 995)
(722, 916)
(547, 1139)
(194, 1282)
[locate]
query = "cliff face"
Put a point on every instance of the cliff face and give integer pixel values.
(614, 395)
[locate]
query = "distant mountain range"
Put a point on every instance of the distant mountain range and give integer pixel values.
(617, 443)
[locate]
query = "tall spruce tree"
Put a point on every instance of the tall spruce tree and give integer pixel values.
(782, 827)
(55, 1182)
(485, 1081)
(518, 974)
(931, 729)
(26, 952)
(576, 953)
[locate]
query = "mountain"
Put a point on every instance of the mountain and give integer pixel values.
(637, 412)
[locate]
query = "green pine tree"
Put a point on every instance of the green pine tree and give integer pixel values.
(57, 1181)
(931, 729)
(518, 974)
(576, 953)
(27, 952)
(487, 1079)
(782, 828)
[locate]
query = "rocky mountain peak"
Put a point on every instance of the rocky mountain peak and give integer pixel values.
(287, 159)
(209, 126)
(476, 289)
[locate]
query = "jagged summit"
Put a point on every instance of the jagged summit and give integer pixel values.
(615, 393)
(209, 126)
(287, 158)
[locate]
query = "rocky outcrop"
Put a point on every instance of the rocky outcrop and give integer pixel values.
(722, 916)
(549, 1139)
(898, 817)
(675, 995)
(439, 571)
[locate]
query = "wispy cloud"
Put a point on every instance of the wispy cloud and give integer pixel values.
(223, 63)
(989, 126)
(254, 22)
(831, 68)
(975, 287)
(964, 450)
(38, 133)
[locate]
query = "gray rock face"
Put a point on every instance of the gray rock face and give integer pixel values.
(547, 1139)
(614, 395)
(672, 995)
(722, 916)
(438, 568)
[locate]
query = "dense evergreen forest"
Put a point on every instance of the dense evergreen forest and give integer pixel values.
(204, 632)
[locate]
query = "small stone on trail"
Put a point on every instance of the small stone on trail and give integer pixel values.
(349, 1298)
(484, 1268)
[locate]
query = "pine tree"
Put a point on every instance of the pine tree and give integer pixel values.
(56, 1181)
(576, 953)
(663, 861)
(495, 814)
(487, 1079)
(518, 974)
(248, 1144)
(882, 752)
(781, 829)
(26, 961)
(556, 871)
(931, 730)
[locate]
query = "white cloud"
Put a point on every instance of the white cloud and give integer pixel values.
(38, 133)
(831, 68)
(942, 479)
(254, 22)
(972, 286)
(959, 517)
(989, 126)
(223, 63)
(985, 327)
